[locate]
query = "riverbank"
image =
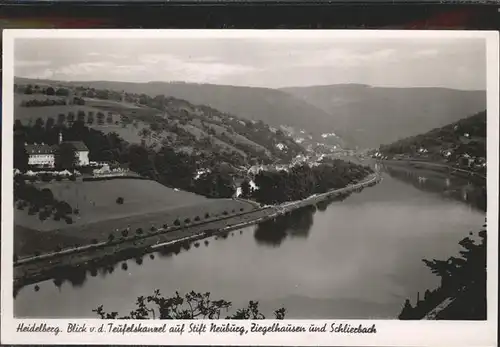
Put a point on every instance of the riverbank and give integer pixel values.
(36, 269)
(438, 167)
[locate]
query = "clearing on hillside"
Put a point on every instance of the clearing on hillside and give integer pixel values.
(112, 104)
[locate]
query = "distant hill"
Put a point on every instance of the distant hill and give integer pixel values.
(271, 106)
(371, 116)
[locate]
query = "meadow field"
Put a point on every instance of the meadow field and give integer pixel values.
(96, 200)
(146, 204)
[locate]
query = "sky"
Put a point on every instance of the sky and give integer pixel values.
(263, 62)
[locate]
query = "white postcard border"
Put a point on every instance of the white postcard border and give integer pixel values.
(389, 332)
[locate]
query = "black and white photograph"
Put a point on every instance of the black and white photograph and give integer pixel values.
(213, 175)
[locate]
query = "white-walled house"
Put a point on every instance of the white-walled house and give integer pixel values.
(81, 151)
(42, 155)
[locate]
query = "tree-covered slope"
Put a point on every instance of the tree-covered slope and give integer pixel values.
(160, 120)
(460, 143)
(272, 106)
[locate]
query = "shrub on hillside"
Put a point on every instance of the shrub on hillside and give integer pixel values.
(177, 222)
(187, 220)
(43, 215)
(63, 208)
(120, 201)
(207, 215)
(62, 92)
(124, 232)
(68, 220)
(197, 219)
(111, 237)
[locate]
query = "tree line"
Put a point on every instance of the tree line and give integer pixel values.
(302, 181)
(51, 102)
(36, 89)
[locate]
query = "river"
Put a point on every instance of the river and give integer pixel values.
(356, 258)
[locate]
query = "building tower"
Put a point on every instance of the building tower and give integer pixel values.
(60, 137)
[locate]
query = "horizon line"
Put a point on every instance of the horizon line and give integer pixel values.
(252, 86)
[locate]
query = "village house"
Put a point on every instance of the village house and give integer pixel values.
(43, 155)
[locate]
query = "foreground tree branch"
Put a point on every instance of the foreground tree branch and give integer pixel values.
(192, 305)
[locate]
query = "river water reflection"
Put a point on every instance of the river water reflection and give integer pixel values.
(355, 258)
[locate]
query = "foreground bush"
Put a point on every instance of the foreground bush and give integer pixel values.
(190, 306)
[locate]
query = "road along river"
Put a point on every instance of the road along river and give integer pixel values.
(360, 257)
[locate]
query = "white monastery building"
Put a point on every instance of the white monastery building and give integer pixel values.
(43, 155)
(40, 155)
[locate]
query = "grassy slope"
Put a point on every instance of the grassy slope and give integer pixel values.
(146, 203)
(97, 200)
(372, 116)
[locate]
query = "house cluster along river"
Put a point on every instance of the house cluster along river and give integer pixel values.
(357, 257)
